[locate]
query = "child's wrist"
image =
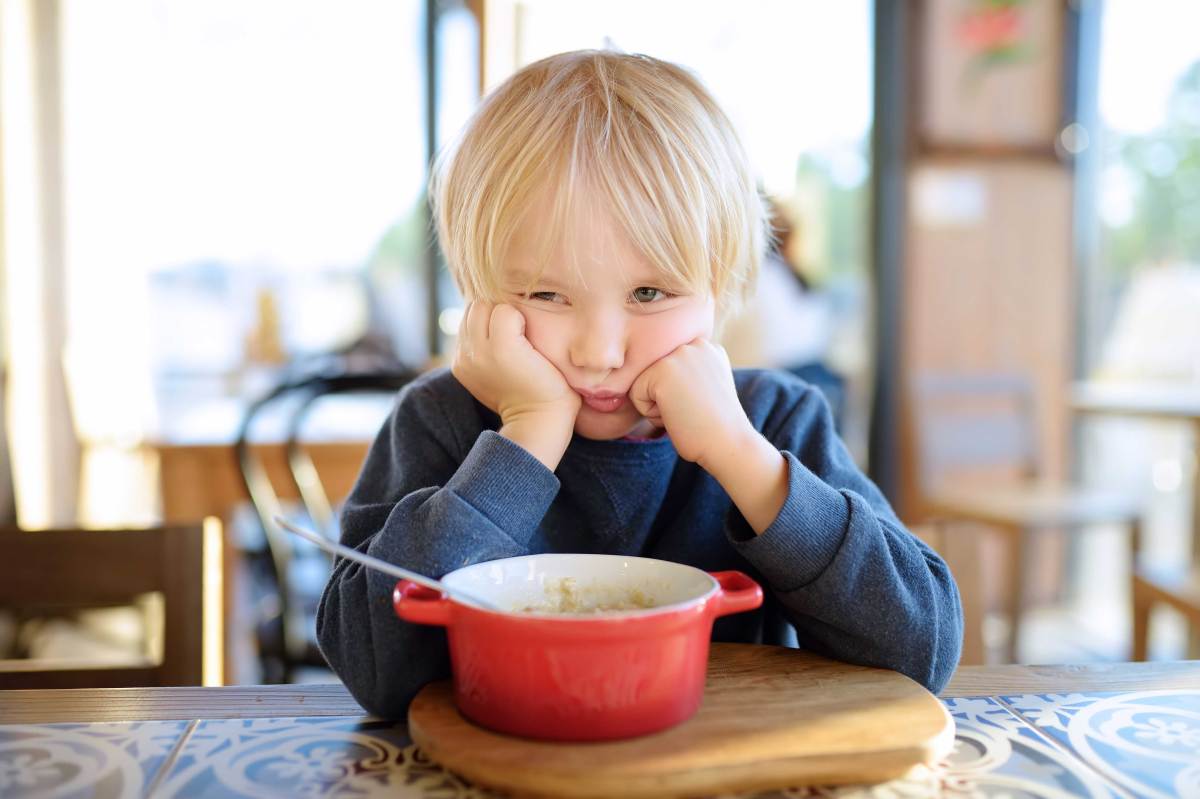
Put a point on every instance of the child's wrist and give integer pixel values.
(727, 452)
(755, 475)
(544, 437)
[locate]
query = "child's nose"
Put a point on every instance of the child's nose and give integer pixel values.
(599, 343)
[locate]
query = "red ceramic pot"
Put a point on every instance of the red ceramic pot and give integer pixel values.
(580, 677)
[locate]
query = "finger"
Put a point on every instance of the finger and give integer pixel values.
(481, 314)
(506, 323)
(720, 353)
(475, 340)
(466, 317)
(461, 348)
(641, 394)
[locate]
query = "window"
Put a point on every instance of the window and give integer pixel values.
(244, 181)
(1145, 285)
(1141, 286)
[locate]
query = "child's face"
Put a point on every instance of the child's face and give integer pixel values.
(601, 313)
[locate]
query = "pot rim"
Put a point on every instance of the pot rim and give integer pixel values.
(600, 616)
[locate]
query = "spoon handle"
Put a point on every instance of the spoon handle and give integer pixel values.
(379, 565)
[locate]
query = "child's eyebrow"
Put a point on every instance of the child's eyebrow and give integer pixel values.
(529, 279)
(521, 279)
(658, 280)
(652, 279)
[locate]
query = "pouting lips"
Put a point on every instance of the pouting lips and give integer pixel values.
(604, 404)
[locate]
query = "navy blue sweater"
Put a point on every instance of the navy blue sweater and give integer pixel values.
(440, 489)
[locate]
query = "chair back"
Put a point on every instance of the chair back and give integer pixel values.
(303, 471)
(52, 571)
(972, 424)
(300, 396)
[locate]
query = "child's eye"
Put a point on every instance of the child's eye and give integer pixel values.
(646, 294)
(547, 296)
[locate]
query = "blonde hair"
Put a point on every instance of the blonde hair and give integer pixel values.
(642, 134)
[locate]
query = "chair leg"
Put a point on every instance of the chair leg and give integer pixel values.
(961, 550)
(1141, 625)
(1019, 546)
(1139, 603)
(1193, 625)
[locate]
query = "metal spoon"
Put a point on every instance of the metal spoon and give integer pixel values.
(382, 565)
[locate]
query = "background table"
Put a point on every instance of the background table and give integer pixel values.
(1067, 731)
(198, 471)
(1150, 401)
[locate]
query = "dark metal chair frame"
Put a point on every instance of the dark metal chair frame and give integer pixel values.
(296, 646)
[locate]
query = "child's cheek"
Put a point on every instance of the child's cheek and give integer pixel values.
(704, 321)
(661, 334)
(543, 330)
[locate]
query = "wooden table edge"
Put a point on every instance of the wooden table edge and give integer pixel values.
(1085, 678)
(170, 703)
(266, 701)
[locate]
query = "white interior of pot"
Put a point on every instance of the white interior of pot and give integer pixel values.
(583, 584)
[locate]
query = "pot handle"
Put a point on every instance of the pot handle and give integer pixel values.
(421, 605)
(738, 593)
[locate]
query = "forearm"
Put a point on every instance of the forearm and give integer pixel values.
(885, 601)
(857, 585)
(544, 439)
(755, 475)
(382, 660)
(488, 509)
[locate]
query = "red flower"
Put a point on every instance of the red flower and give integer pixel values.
(990, 29)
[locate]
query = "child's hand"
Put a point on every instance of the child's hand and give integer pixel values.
(691, 393)
(501, 369)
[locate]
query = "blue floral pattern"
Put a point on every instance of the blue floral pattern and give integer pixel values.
(1147, 742)
(1042, 745)
(41, 760)
(305, 757)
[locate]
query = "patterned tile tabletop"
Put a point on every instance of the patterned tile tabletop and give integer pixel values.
(1133, 744)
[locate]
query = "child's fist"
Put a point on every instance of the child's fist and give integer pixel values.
(498, 365)
(691, 393)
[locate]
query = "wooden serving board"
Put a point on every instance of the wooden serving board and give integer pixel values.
(771, 718)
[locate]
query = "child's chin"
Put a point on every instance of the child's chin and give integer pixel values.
(605, 426)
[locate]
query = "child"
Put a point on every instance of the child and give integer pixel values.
(599, 216)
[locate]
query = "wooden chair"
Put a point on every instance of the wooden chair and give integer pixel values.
(47, 572)
(1176, 588)
(984, 424)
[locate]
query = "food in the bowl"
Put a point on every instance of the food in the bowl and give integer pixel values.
(565, 596)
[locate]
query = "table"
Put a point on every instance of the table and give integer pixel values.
(199, 476)
(1179, 403)
(198, 471)
(199, 480)
(1108, 731)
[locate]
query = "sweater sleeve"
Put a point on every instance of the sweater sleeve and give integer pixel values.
(856, 584)
(421, 504)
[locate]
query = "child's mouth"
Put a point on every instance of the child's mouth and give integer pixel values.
(604, 403)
